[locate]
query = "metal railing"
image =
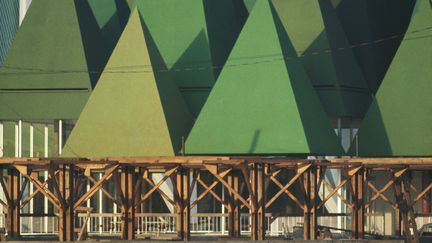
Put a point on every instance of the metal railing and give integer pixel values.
(155, 223)
(162, 223)
(39, 225)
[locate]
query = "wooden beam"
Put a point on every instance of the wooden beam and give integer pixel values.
(128, 209)
(13, 215)
(97, 186)
(213, 170)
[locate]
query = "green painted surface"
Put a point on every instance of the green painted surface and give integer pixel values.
(314, 28)
(111, 17)
(195, 47)
(268, 107)
(137, 113)
(399, 121)
(368, 21)
(49, 72)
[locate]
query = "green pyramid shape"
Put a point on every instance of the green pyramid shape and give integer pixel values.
(111, 17)
(399, 120)
(136, 111)
(261, 103)
(336, 75)
(381, 24)
(49, 72)
(194, 39)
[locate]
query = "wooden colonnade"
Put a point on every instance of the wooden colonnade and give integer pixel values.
(245, 180)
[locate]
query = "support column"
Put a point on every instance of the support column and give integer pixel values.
(357, 216)
(186, 204)
(258, 213)
(66, 214)
(13, 216)
(234, 213)
(128, 209)
(426, 180)
(309, 211)
(182, 202)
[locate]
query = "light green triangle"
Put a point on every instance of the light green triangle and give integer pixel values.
(399, 120)
(49, 72)
(135, 109)
(326, 54)
(262, 104)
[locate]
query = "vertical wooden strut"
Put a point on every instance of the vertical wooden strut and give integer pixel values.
(182, 202)
(258, 213)
(66, 214)
(234, 210)
(404, 201)
(186, 203)
(128, 209)
(357, 214)
(309, 210)
(13, 216)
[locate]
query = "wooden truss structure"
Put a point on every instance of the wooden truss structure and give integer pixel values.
(245, 180)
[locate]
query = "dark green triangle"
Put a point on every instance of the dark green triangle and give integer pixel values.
(399, 121)
(136, 109)
(111, 16)
(262, 104)
(326, 54)
(49, 72)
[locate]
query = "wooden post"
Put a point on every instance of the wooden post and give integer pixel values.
(426, 180)
(66, 213)
(186, 203)
(234, 210)
(397, 212)
(128, 209)
(178, 198)
(357, 216)
(258, 213)
(13, 216)
(313, 197)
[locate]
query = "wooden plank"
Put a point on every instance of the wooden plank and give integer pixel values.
(108, 174)
(300, 171)
(212, 170)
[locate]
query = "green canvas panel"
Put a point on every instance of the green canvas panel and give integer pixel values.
(46, 59)
(266, 105)
(111, 17)
(183, 44)
(399, 121)
(249, 4)
(225, 19)
(368, 21)
(315, 28)
(137, 113)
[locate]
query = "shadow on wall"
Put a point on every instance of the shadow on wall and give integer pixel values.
(254, 142)
(176, 129)
(95, 51)
(372, 136)
(369, 20)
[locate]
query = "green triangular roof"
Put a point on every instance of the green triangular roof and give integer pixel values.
(49, 72)
(400, 118)
(194, 39)
(314, 28)
(136, 109)
(370, 22)
(111, 17)
(261, 103)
